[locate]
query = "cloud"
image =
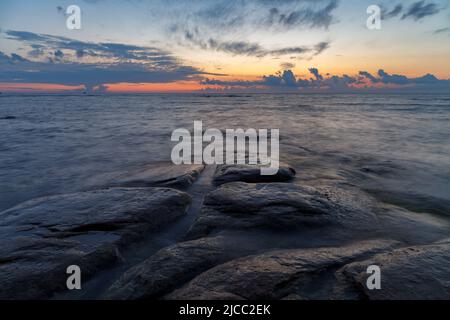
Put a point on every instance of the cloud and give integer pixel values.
(369, 76)
(315, 72)
(251, 48)
(416, 11)
(116, 51)
(305, 16)
(287, 81)
(427, 81)
(279, 14)
(60, 10)
(59, 54)
(229, 25)
(59, 62)
(394, 78)
(90, 75)
(420, 9)
(287, 65)
(12, 59)
(321, 46)
(442, 30)
(393, 13)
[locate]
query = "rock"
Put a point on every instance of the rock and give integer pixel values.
(277, 206)
(170, 267)
(251, 173)
(42, 237)
(417, 272)
(399, 222)
(7, 118)
(161, 175)
(291, 274)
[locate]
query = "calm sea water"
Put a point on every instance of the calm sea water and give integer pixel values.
(396, 147)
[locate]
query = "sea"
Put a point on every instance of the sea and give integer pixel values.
(395, 147)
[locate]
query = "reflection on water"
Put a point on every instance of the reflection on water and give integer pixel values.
(395, 146)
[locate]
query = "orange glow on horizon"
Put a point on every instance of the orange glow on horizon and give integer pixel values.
(176, 87)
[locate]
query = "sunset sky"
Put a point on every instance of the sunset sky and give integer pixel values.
(224, 45)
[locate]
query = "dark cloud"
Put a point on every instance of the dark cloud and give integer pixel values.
(416, 11)
(392, 13)
(315, 72)
(306, 16)
(37, 51)
(117, 51)
(250, 48)
(420, 9)
(59, 54)
(427, 80)
(369, 76)
(287, 81)
(115, 62)
(238, 47)
(12, 59)
(80, 53)
(270, 14)
(386, 78)
(442, 30)
(287, 65)
(392, 78)
(321, 46)
(60, 10)
(218, 23)
(89, 75)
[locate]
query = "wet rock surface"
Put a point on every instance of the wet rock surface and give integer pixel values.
(172, 266)
(251, 173)
(416, 272)
(306, 238)
(296, 273)
(161, 175)
(42, 237)
(276, 206)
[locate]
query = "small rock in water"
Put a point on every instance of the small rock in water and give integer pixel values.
(251, 173)
(42, 237)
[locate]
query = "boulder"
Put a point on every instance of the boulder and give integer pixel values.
(416, 272)
(278, 206)
(42, 237)
(160, 175)
(172, 266)
(290, 274)
(251, 173)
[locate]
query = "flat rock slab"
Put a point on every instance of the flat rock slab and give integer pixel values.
(294, 273)
(418, 272)
(251, 173)
(42, 237)
(160, 175)
(277, 206)
(172, 266)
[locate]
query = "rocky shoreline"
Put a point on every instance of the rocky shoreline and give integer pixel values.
(239, 236)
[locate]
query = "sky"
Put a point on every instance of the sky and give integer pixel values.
(224, 46)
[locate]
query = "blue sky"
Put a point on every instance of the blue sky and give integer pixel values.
(225, 45)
